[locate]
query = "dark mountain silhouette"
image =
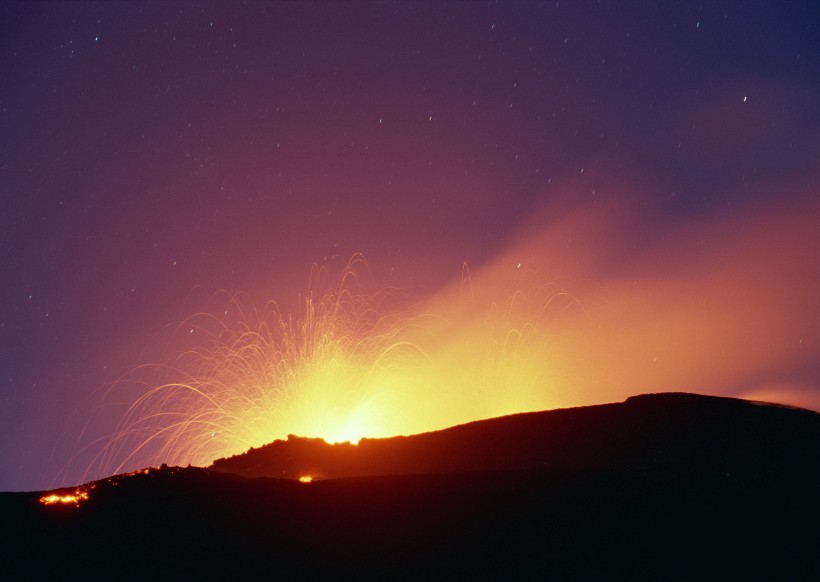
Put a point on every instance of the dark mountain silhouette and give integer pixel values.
(672, 431)
(670, 486)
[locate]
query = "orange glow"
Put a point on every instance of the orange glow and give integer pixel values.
(711, 305)
(73, 498)
(722, 303)
(351, 364)
(305, 479)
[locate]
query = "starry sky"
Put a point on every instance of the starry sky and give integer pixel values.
(659, 157)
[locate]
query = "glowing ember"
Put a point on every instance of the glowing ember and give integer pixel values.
(74, 498)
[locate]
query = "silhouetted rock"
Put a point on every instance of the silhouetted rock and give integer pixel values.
(671, 486)
(658, 432)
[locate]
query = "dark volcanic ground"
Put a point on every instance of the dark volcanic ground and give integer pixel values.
(659, 487)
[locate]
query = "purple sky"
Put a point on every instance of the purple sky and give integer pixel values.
(154, 153)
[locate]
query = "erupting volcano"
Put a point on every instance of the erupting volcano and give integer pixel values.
(349, 364)
(379, 290)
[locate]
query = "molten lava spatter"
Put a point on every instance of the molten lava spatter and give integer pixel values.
(350, 364)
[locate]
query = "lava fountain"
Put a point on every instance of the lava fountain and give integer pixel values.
(349, 364)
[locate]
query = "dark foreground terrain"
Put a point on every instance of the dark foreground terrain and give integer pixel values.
(672, 486)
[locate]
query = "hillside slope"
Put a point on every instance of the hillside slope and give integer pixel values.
(659, 487)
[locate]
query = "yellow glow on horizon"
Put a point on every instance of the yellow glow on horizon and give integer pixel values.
(305, 479)
(349, 365)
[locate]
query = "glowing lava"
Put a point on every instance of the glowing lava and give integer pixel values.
(74, 497)
(350, 364)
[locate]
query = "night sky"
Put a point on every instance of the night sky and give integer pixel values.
(659, 159)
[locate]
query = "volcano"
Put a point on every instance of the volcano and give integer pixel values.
(664, 486)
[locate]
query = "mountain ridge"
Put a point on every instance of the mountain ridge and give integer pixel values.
(597, 436)
(670, 487)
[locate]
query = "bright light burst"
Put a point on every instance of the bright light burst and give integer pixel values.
(350, 364)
